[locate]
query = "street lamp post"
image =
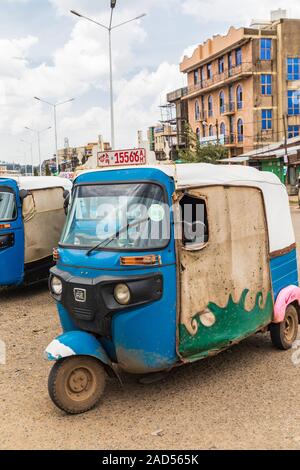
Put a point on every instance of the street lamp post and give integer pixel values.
(54, 106)
(109, 30)
(38, 133)
(31, 153)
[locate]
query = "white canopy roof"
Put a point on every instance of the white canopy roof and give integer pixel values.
(40, 182)
(281, 232)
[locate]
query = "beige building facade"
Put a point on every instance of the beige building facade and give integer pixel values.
(243, 88)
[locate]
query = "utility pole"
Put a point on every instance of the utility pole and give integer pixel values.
(38, 134)
(109, 29)
(286, 158)
(54, 106)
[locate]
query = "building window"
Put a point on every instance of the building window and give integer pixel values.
(222, 128)
(266, 119)
(293, 131)
(196, 77)
(202, 73)
(221, 65)
(211, 130)
(266, 84)
(222, 102)
(293, 68)
(209, 71)
(265, 49)
(240, 129)
(202, 104)
(197, 110)
(210, 105)
(293, 102)
(203, 130)
(239, 96)
(230, 61)
(198, 133)
(238, 57)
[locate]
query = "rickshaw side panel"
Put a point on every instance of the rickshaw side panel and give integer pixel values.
(12, 258)
(284, 270)
(226, 291)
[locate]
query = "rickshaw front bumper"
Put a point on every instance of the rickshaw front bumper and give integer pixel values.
(76, 343)
(91, 304)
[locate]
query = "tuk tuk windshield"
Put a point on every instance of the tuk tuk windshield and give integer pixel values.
(8, 207)
(125, 216)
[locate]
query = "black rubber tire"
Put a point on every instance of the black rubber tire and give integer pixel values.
(72, 372)
(279, 336)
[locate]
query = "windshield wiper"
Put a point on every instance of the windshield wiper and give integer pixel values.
(116, 235)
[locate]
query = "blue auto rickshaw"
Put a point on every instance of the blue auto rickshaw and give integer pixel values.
(31, 219)
(166, 265)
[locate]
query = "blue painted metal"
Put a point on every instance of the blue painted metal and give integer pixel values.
(66, 321)
(143, 338)
(12, 259)
(284, 272)
(76, 343)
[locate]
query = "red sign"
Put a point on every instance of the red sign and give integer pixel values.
(122, 157)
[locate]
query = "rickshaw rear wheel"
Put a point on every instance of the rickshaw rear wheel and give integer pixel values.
(76, 384)
(285, 333)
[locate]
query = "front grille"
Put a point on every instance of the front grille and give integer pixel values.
(85, 314)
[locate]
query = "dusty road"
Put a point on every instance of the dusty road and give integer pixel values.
(244, 398)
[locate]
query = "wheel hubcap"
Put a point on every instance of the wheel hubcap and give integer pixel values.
(80, 384)
(289, 330)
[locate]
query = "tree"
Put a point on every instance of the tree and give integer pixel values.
(35, 172)
(47, 170)
(197, 153)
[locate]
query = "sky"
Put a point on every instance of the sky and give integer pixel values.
(47, 52)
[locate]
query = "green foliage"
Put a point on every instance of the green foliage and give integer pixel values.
(35, 172)
(199, 153)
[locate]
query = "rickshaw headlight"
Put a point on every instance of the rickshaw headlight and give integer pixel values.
(122, 294)
(56, 285)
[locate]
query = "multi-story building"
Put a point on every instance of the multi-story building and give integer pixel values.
(181, 119)
(243, 87)
(3, 169)
(71, 157)
(165, 139)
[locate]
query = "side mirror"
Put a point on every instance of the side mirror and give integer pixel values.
(23, 194)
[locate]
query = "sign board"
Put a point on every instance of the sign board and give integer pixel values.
(122, 157)
(67, 174)
(212, 140)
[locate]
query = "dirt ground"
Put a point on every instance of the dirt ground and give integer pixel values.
(244, 398)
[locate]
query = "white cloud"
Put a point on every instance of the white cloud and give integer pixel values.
(136, 107)
(235, 11)
(80, 65)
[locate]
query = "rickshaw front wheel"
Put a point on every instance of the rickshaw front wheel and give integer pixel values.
(76, 384)
(285, 333)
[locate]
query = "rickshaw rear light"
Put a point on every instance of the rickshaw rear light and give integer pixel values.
(147, 260)
(4, 226)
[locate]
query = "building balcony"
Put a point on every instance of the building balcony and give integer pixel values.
(202, 116)
(229, 76)
(229, 108)
(234, 140)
